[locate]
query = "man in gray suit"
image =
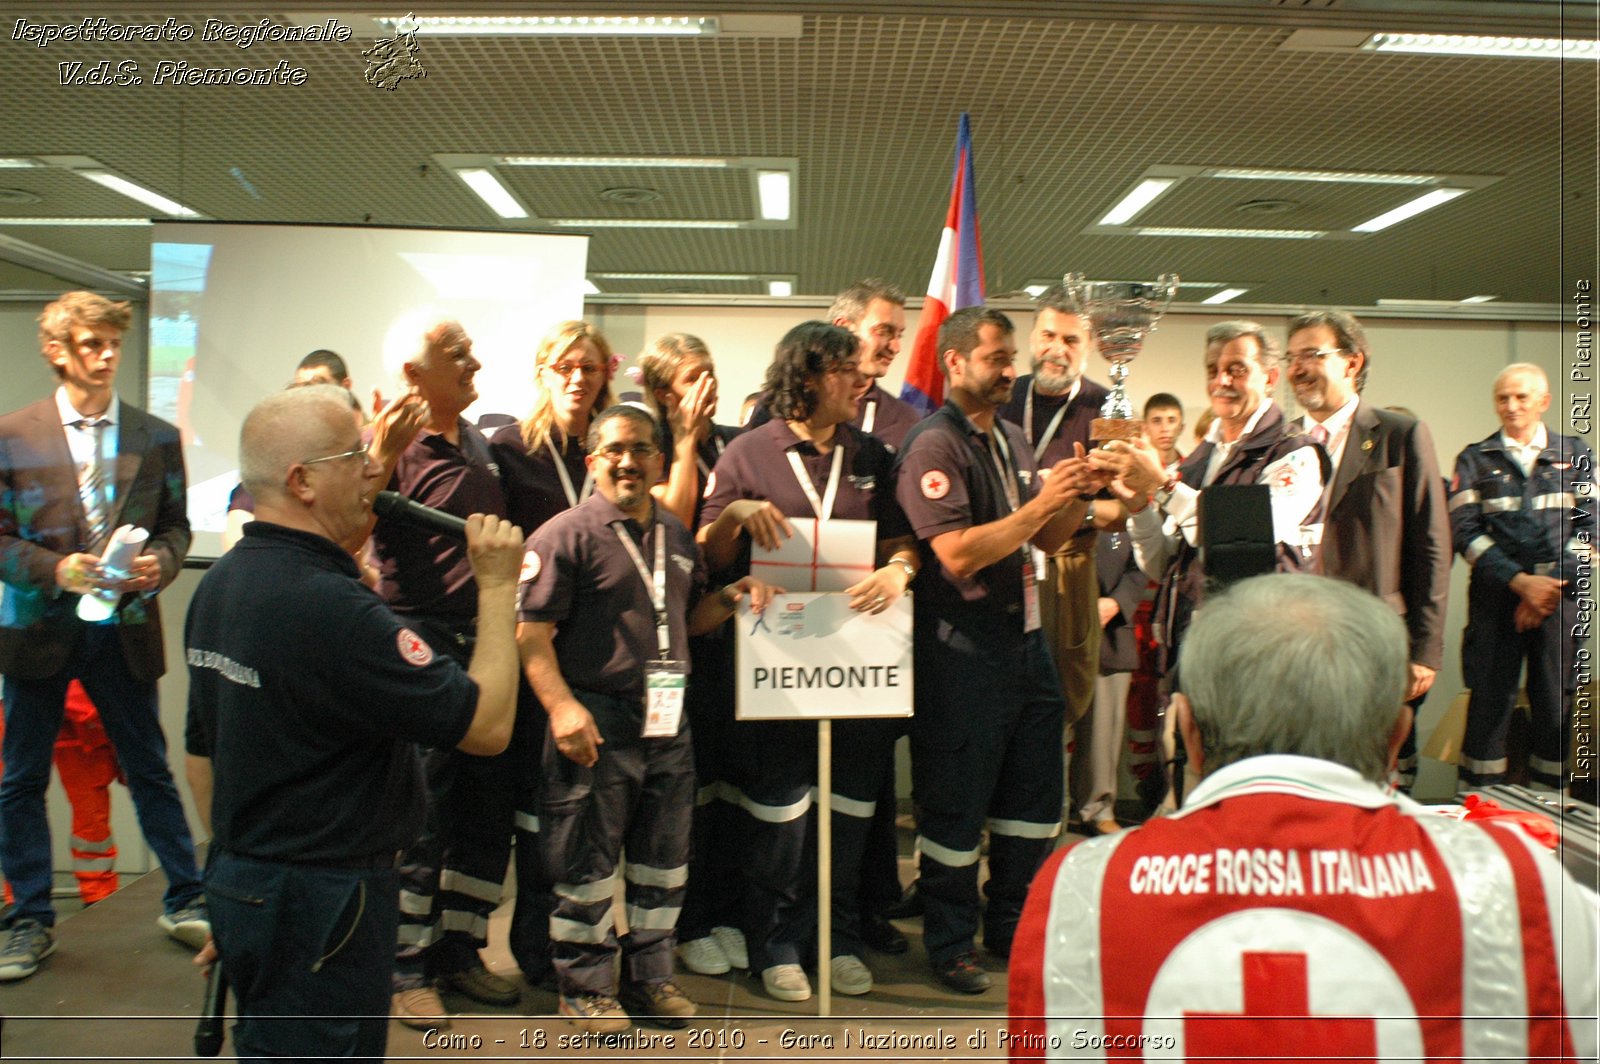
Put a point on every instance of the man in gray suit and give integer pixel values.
(1386, 524)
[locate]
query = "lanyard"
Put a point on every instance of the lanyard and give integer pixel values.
(1050, 430)
(720, 444)
(1000, 455)
(822, 507)
(655, 583)
(870, 418)
(573, 498)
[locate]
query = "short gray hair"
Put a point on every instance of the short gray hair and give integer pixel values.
(1296, 664)
(1225, 331)
(1528, 368)
(285, 428)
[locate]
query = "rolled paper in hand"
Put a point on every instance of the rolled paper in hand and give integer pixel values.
(121, 549)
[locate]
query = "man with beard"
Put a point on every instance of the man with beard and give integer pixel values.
(1055, 406)
(451, 878)
(985, 740)
(1385, 524)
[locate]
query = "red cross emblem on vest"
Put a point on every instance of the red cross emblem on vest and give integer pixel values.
(1276, 1024)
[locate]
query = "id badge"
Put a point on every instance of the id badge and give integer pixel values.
(664, 684)
(1030, 601)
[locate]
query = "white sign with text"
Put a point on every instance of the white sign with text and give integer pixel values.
(811, 657)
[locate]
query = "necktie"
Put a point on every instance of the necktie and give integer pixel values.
(1319, 435)
(92, 487)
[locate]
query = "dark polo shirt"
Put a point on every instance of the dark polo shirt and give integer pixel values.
(757, 467)
(946, 481)
(1082, 409)
(580, 576)
(533, 489)
(422, 572)
(306, 693)
(892, 418)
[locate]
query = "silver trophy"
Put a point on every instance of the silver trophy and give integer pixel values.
(1121, 314)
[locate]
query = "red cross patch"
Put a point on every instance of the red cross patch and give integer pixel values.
(935, 485)
(530, 567)
(711, 484)
(1284, 478)
(412, 648)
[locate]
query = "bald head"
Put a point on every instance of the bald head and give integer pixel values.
(288, 427)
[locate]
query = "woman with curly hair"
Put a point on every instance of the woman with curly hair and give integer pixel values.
(808, 461)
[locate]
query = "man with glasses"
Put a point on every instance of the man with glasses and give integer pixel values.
(305, 697)
(452, 875)
(1385, 523)
(76, 466)
(1250, 442)
(612, 590)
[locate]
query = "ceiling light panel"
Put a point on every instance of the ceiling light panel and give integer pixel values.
(1500, 47)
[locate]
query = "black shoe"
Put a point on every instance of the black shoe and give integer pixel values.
(964, 974)
(909, 907)
(883, 936)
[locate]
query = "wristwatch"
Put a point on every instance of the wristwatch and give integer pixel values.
(910, 570)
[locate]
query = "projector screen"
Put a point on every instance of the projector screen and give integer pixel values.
(235, 306)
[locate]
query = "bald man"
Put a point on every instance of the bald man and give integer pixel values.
(1522, 515)
(307, 741)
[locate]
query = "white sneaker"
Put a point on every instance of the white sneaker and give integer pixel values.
(703, 956)
(731, 939)
(850, 976)
(786, 982)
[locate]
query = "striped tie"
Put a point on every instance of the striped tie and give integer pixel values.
(1319, 435)
(92, 487)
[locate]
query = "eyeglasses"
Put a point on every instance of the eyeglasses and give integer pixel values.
(1311, 354)
(567, 369)
(613, 452)
(362, 451)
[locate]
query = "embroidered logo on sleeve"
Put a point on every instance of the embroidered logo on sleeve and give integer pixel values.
(412, 648)
(935, 485)
(530, 567)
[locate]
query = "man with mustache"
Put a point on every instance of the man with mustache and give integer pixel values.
(1055, 406)
(985, 741)
(1385, 524)
(1250, 442)
(612, 590)
(451, 877)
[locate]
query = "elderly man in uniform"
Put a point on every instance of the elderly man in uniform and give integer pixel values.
(612, 589)
(1296, 908)
(452, 876)
(986, 738)
(305, 695)
(1522, 510)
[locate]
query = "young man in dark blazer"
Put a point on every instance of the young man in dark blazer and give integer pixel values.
(1386, 526)
(74, 467)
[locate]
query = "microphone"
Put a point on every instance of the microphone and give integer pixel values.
(393, 505)
(208, 1032)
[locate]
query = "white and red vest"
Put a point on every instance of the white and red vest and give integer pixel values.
(1294, 910)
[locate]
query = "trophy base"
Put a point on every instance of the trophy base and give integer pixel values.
(1106, 429)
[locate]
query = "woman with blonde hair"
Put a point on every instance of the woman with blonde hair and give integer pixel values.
(541, 457)
(680, 382)
(543, 473)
